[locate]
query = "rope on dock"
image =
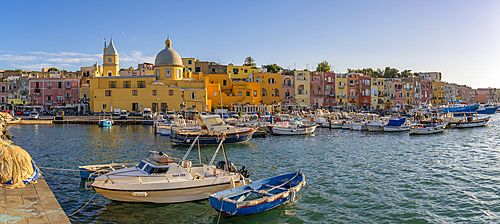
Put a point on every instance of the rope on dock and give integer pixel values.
(51, 168)
(203, 213)
(84, 205)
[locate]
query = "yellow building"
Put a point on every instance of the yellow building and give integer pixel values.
(168, 89)
(438, 93)
(341, 89)
(270, 87)
(377, 93)
(240, 72)
(408, 94)
(189, 64)
(302, 88)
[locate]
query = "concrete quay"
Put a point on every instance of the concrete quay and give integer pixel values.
(34, 203)
(78, 120)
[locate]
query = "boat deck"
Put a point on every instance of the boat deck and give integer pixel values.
(33, 204)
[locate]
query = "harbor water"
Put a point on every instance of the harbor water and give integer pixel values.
(353, 176)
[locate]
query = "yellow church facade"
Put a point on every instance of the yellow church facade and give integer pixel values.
(170, 87)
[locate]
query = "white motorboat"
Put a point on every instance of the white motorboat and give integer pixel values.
(296, 129)
(360, 125)
(425, 129)
(159, 179)
(378, 124)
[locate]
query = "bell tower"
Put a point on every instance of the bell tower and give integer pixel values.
(111, 61)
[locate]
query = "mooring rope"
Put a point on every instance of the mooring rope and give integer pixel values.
(51, 168)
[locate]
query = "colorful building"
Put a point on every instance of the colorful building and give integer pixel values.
(388, 93)
(169, 88)
(398, 94)
(302, 89)
(329, 101)
(54, 92)
(365, 93)
(352, 90)
(288, 91)
(317, 96)
(341, 90)
(426, 93)
(4, 94)
(438, 94)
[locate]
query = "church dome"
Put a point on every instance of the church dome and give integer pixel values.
(168, 57)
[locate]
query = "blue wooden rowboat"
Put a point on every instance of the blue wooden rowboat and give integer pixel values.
(258, 196)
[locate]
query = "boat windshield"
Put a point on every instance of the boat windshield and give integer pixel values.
(158, 158)
(215, 121)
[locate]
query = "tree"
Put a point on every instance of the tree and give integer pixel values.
(364, 71)
(391, 72)
(274, 68)
(19, 70)
(53, 69)
(406, 73)
(249, 61)
(323, 67)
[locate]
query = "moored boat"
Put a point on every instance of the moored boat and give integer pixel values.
(298, 128)
(397, 125)
(93, 171)
(258, 196)
(425, 129)
(472, 122)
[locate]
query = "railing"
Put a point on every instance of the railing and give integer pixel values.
(68, 97)
(288, 97)
(68, 87)
(287, 85)
(351, 84)
(48, 101)
(36, 94)
(353, 96)
(332, 95)
(341, 96)
(341, 86)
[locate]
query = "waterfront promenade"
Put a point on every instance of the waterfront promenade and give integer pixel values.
(78, 120)
(34, 203)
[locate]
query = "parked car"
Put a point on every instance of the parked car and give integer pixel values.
(123, 114)
(34, 116)
(26, 113)
(19, 112)
(147, 114)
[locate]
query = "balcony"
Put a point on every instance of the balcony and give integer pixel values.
(353, 97)
(332, 95)
(288, 97)
(351, 84)
(341, 86)
(48, 101)
(36, 94)
(68, 87)
(68, 97)
(287, 86)
(341, 96)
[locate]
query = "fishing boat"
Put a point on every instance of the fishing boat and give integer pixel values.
(258, 196)
(377, 124)
(458, 108)
(93, 171)
(472, 122)
(212, 126)
(487, 109)
(298, 128)
(397, 125)
(106, 122)
(160, 179)
(425, 129)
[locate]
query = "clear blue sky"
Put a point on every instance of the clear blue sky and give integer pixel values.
(461, 39)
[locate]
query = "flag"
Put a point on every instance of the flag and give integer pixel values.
(184, 103)
(279, 104)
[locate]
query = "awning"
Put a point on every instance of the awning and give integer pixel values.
(303, 105)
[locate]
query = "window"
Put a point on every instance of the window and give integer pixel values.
(157, 72)
(170, 92)
(49, 85)
(59, 99)
(68, 85)
(215, 93)
(112, 85)
(190, 62)
(193, 95)
(213, 70)
(141, 84)
(248, 93)
(107, 93)
(179, 73)
(164, 107)
(264, 92)
(135, 107)
(154, 106)
(110, 73)
(68, 96)
(235, 71)
(103, 106)
(154, 92)
(224, 82)
(270, 81)
(134, 92)
(255, 93)
(37, 86)
(85, 96)
(239, 93)
(300, 89)
(197, 69)
(276, 92)
(168, 73)
(126, 84)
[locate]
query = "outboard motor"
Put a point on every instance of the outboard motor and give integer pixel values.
(222, 165)
(244, 172)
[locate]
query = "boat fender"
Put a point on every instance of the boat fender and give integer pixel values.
(232, 183)
(188, 140)
(292, 195)
(140, 194)
(88, 185)
(243, 180)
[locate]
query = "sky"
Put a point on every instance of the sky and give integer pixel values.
(461, 39)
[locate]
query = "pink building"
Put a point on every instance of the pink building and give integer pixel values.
(426, 87)
(317, 90)
(50, 92)
(467, 94)
(288, 91)
(4, 94)
(398, 94)
(329, 101)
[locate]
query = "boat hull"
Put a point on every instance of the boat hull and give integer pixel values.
(428, 129)
(473, 124)
(222, 203)
(489, 110)
(212, 139)
(374, 128)
(294, 131)
(396, 128)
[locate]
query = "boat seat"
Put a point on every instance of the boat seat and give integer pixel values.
(202, 174)
(270, 186)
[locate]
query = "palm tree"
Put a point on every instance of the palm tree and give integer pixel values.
(249, 61)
